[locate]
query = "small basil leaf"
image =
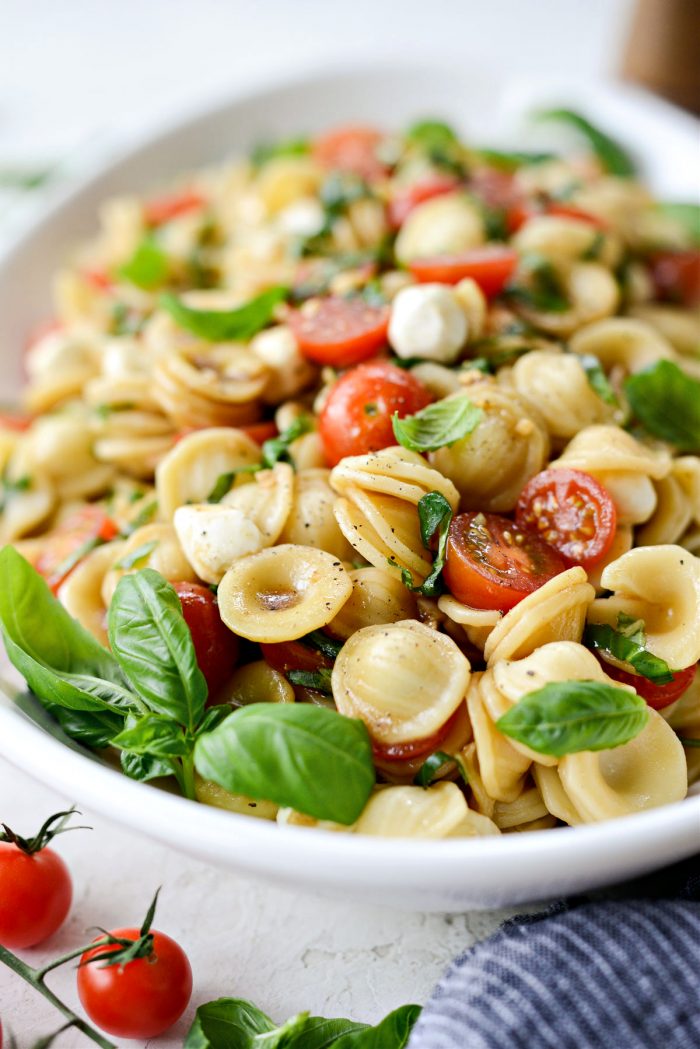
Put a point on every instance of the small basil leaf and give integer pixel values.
(148, 266)
(431, 768)
(307, 757)
(266, 151)
(92, 728)
(227, 1023)
(629, 649)
(133, 559)
(393, 1032)
(543, 290)
(597, 379)
(222, 487)
(143, 767)
(320, 679)
(328, 646)
(567, 717)
(688, 742)
(276, 449)
(439, 425)
(434, 514)
(153, 644)
(153, 735)
(594, 249)
(687, 215)
(613, 157)
(667, 403)
(238, 324)
(514, 159)
(213, 716)
(439, 143)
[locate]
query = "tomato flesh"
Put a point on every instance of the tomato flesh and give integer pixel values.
(414, 748)
(676, 276)
(87, 527)
(492, 563)
(491, 267)
(98, 278)
(261, 432)
(352, 148)
(215, 646)
(293, 655)
(657, 696)
(142, 998)
(409, 197)
(339, 332)
(163, 209)
(572, 511)
(35, 895)
(356, 417)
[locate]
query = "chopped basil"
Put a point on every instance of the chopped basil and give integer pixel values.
(688, 742)
(439, 425)
(612, 156)
(292, 147)
(627, 643)
(595, 248)
(322, 643)
(666, 402)
(241, 323)
(222, 487)
(276, 449)
(434, 765)
(69, 563)
(319, 680)
(514, 159)
(597, 379)
(10, 487)
(337, 193)
(542, 289)
(439, 143)
(148, 266)
(145, 514)
(133, 559)
(434, 516)
(687, 215)
(566, 717)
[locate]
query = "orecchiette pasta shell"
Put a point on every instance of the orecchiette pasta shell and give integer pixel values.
(58, 366)
(190, 471)
(671, 517)
(288, 371)
(441, 381)
(447, 224)
(266, 502)
(678, 326)
(311, 521)
(559, 388)
(135, 456)
(81, 593)
(555, 612)
(459, 733)
(622, 342)
(661, 586)
(593, 294)
(393, 471)
(480, 798)
(501, 766)
(283, 180)
(258, 682)
(210, 793)
(527, 807)
(474, 825)
(282, 593)
(477, 623)
(414, 812)
(161, 551)
(377, 597)
(554, 796)
(384, 531)
(648, 771)
(563, 239)
(624, 538)
(27, 508)
(402, 679)
(684, 717)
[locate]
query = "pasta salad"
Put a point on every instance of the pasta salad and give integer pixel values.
(357, 485)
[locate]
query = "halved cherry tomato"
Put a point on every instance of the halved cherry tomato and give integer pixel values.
(18, 421)
(98, 278)
(409, 197)
(215, 646)
(491, 267)
(676, 276)
(571, 511)
(35, 895)
(339, 332)
(351, 148)
(356, 417)
(162, 209)
(657, 696)
(568, 211)
(293, 655)
(521, 212)
(86, 528)
(416, 748)
(261, 432)
(492, 563)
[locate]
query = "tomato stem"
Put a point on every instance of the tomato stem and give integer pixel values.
(35, 978)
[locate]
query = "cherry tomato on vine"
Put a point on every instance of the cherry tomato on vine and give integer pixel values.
(572, 512)
(657, 696)
(140, 998)
(492, 563)
(491, 267)
(356, 417)
(409, 197)
(35, 886)
(351, 148)
(80, 533)
(340, 332)
(215, 646)
(163, 209)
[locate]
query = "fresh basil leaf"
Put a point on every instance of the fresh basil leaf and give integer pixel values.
(136, 556)
(613, 157)
(222, 487)
(92, 728)
(594, 249)
(154, 735)
(328, 646)
(393, 1032)
(143, 517)
(153, 644)
(320, 679)
(513, 159)
(431, 768)
(434, 515)
(68, 563)
(666, 402)
(629, 648)
(542, 289)
(687, 215)
(276, 449)
(439, 425)
(597, 379)
(227, 1023)
(430, 133)
(308, 1032)
(238, 324)
(309, 758)
(266, 151)
(148, 266)
(566, 717)
(688, 742)
(144, 767)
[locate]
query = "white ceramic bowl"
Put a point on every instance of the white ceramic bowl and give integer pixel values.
(452, 875)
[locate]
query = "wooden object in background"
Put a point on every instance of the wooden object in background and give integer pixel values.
(663, 50)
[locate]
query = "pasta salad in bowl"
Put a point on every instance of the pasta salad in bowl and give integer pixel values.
(356, 486)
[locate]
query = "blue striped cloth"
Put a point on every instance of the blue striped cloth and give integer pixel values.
(621, 971)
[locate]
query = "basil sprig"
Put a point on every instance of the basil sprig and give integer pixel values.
(666, 402)
(439, 425)
(627, 644)
(614, 158)
(233, 1023)
(241, 323)
(148, 266)
(597, 379)
(566, 717)
(434, 516)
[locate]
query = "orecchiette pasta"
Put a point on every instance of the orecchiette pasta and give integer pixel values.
(377, 597)
(502, 768)
(190, 471)
(559, 388)
(622, 342)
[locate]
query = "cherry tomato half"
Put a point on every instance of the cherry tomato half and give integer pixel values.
(215, 646)
(491, 267)
(162, 209)
(356, 417)
(59, 548)
(521, 212)
(492, 563)
(676, 276)
(657, 696)
(416, 748)
(98, 278)
(293, 655)
(572, 512)
(339, 332)
(409, 197)
(35, 895)
(261, 432)
(142, 998)
(351, 148)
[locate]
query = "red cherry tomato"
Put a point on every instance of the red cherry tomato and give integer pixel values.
(162, 209)
(657, 696)
(215, 646)
(57, 558)
(568, 211)
(35, 895)
(676, 276)
(356, 417)
(492, 563)
(491, 267)
(339, 332)
(571, 511)
(19, 421)
(416, 748)
(99, 279)
(409, 197)
(261, 432)
(521, 212)
(293, 655)
(142, 998)
(352, 148)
